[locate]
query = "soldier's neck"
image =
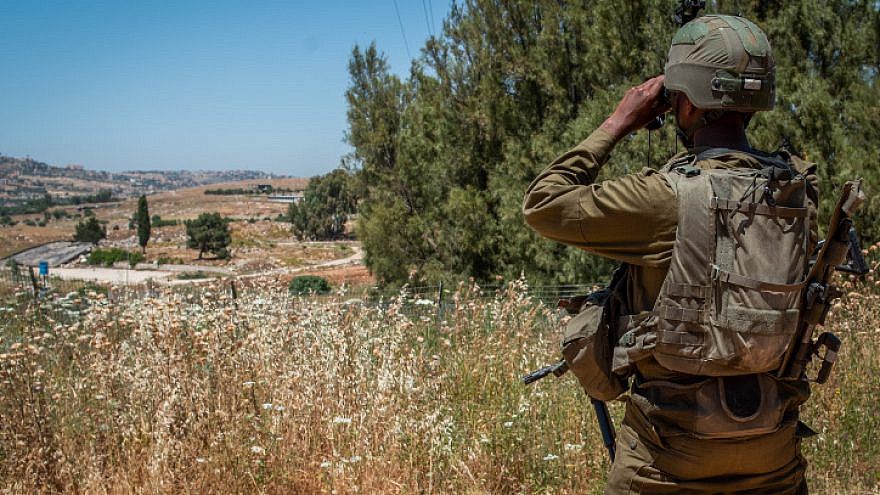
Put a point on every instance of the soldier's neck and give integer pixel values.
(722, 136)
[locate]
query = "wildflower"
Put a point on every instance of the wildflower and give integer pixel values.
(354, 458)
(256, 449)
(551, 457)
(341, 420)
(248, 384)
(574, 446)
(326, 464)
(507, 424)
(267, 406)
(200, 460)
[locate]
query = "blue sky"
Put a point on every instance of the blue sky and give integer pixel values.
(191, 85)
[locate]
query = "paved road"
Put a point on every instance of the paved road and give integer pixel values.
(113, 275)
(123, 276)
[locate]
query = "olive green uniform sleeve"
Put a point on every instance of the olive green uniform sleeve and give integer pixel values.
(632, 218)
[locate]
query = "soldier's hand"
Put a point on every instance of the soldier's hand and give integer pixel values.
(638, 107)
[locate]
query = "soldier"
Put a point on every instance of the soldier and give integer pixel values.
(714, 247)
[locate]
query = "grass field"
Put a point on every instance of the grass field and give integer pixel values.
(191, 391)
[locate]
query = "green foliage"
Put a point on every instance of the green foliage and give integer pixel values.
(309, 284)
(442, 158)
(326, 205)
(89, 230)
(165, 260)
(6, 220)
(58, 214)
(158, 222)
(241, 191)
(142, 218)
(14, 267)
(209, 233)
(106, 257)
(196, 275)
(37, 205)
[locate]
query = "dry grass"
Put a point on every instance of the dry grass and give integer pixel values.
(180, 204)
(192, 392)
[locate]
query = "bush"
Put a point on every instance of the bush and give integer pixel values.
(209, 233)
(107, 257)
(165, 260)
(89, 230)
(309, 284)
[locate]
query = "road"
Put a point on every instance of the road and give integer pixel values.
(123, 276)
(112, 275)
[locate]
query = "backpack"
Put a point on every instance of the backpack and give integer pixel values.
(730, 302)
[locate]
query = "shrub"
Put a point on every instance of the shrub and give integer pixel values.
(89, 230)
(107, 257)
(309, 284)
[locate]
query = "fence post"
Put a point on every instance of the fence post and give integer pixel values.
(440, 303)
(34, 281)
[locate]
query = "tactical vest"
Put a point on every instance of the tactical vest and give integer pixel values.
(729, 304)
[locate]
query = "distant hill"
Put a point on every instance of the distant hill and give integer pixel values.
(24, 179)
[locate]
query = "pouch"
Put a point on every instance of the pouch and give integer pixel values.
(587, 348)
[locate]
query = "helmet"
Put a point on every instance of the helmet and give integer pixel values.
(722, 62)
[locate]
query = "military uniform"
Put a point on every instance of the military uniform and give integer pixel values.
(633, 219)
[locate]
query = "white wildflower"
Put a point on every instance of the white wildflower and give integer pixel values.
(551, 457)
(574, 446)
(508, 424)
(256, 449)
(354, 458)
(342, 420)
(326, 464)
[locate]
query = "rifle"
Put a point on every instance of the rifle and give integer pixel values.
(606, 425)
(840, 243)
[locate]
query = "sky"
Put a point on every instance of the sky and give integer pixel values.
(209, 85)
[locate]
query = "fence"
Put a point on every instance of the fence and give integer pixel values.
(421, 300)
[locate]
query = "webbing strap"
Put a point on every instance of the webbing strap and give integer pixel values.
(750, 283)
(681, 314)
(689, 290)
(757, 208)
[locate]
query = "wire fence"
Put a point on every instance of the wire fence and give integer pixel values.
(23, 281)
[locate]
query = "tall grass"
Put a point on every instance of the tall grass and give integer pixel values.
(198, 393)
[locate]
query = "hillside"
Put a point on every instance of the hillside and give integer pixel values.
(24, 179)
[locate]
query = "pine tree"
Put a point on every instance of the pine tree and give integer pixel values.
(209, 233)
(142, 219)
(443, 157)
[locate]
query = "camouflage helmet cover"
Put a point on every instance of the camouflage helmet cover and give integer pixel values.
(722, 62)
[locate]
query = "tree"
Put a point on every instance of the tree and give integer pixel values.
(209, 233)
(142, 218)
(327, 203)
(89, 230)
(441, 159)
